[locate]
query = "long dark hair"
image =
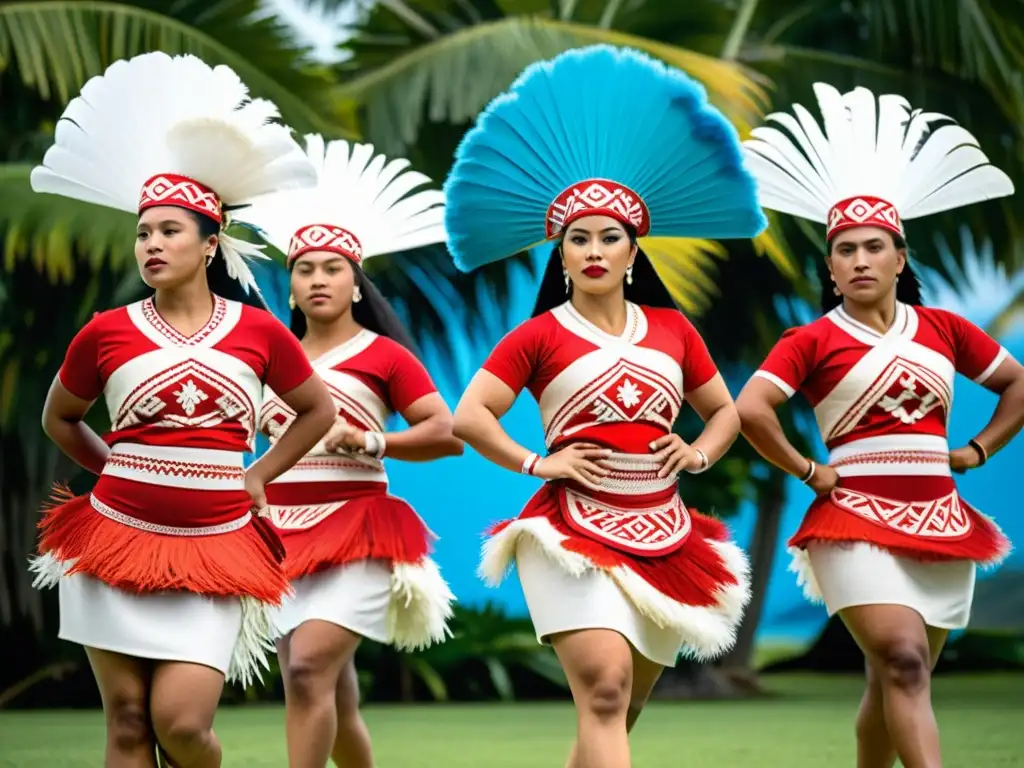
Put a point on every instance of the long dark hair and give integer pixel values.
(646, 289)
(908, 286)
(372, 311)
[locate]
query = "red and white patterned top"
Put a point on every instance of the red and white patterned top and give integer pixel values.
(863, 384)
(370, 377)
(620, 391)
(165, 389)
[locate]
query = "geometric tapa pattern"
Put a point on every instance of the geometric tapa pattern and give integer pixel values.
(942, 518)
(649, 531)
(593, 196)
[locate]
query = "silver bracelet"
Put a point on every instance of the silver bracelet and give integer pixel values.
(704, 463)
(810, 473)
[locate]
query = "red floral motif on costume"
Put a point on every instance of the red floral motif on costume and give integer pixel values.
(942, 518)
(189, 394)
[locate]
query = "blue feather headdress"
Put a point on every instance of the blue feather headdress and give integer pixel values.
(597, 131)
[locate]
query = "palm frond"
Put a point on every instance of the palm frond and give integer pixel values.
(56, 45)
(687, 267)
(452, 78)
(57, 235)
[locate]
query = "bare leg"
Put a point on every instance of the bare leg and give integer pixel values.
(875, 748)
(124, 688)
(599, 666)
(352, 744)
(896, 645)
(313, 658)
(645, 675)
(183, 703)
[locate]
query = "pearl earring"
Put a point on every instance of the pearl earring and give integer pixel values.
(565, 274)
(357, 295)
(291, 301)
(629, 275)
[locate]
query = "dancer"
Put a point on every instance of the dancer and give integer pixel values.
(618, 574)
(357, 557)
(165, 574)
(888, 543)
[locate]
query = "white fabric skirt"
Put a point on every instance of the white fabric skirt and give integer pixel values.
(172, 626)
(857, 573)
(355, 596)
(561, 602)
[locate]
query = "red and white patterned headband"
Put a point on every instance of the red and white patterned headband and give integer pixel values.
(863, 211)
(597, 197)
(183, 192)
(325, 237)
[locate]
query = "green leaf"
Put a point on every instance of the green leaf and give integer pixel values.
(500, 678)
(56, 45)
(453, 77)
(430, 677)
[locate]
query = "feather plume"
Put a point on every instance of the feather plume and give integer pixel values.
(920, 162)
(155, 114)
(598, 112)
(380, 201)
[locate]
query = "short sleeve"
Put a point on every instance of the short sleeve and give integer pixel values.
(790, 362)
(698, 367)
(287, 364)
(516, 356)
(977, 355)
(80, 373)
(408, 380)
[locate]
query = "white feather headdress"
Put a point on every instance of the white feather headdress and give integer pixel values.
(162, 130)
(363, 206)
(875, 164)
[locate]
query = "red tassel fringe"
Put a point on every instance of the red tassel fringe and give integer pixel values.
(827, 521)
(691, 575)
(378, 527)
(236, 564)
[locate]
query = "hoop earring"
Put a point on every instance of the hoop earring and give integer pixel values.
(629, 275)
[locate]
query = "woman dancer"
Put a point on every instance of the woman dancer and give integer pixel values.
(165, 574)
(888, 543)
(357, 557)
(618, 574)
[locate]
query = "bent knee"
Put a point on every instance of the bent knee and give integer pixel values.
(128, 724)
(904, 665)
(605, 690)
(183, 729)
(310, 677)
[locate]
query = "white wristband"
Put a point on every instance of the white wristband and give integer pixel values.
(704, 463)
(810, 473)
(529, 465)
(375, 445)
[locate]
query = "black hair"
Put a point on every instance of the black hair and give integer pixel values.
(217, 277)
(372, 312)
(646, 288)
(908, 287)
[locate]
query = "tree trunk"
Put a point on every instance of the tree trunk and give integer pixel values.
(738, 663)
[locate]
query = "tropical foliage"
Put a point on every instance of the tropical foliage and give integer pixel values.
(413, 76)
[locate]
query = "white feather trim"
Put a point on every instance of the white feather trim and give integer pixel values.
(254, 644)
(706, 632)
(48, 570)
(420, 606)
(800, 564)
(873, 148)
(358, 190)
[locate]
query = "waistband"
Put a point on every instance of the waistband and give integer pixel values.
(631, 474)
(334, 468)
(193, 468)
(169, 530)
(892, 455)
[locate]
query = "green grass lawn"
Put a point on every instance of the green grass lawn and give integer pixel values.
(806, 724)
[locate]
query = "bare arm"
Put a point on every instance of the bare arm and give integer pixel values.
(761, 427)
(714, 405)
(315, 414)
(1007, 381)
(485, 401)
(62, 422)
(429, 435)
